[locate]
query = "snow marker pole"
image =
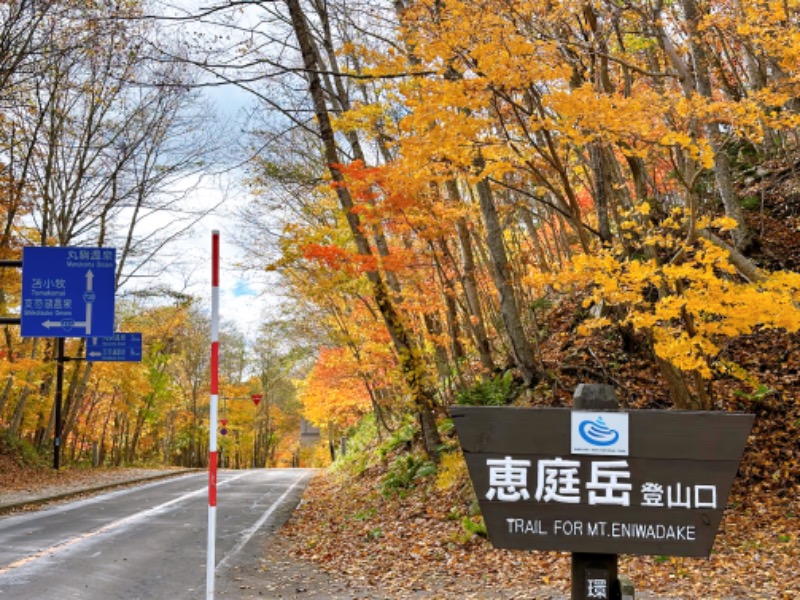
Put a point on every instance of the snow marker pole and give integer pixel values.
(212, 426)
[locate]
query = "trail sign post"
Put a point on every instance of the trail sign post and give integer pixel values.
(120, 347)
(600, 482)
(67, 292)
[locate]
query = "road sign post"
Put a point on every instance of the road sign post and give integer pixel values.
(595, 575)
(66, 292)
(58, 403)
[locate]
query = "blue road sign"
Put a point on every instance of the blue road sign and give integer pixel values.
(67, 292)
(120, 347)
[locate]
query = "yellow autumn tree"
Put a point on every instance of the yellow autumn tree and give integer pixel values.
(688, 306)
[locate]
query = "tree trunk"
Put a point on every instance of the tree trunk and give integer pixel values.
(601, 190)
(19, 411)
(138, 427)
(679, 391)
(451, 308)
(542, 255)
(469, 283)
(722, 169)
(411, 362)
(521, 347)
(104, 432)
(6, 393)
(75, 393)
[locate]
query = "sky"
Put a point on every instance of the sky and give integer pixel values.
(244, 295)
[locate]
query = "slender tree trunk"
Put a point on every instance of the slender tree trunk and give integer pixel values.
(75, 394)
(722, 168)
(521, 347)
(601, 190)
(79, 441)
(542, 256)
(6, 393)
(411, 362)
(104, 433)
(19, 410)
(451, 308)
(138, 427)
(469, 283)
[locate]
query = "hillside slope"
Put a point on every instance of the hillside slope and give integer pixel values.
(382, 519)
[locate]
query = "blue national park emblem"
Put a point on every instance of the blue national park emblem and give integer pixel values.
(598, 433)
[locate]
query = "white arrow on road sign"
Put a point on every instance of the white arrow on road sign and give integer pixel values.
(88, 298)
(67, 291)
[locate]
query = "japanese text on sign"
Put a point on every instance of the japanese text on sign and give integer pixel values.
(609, 482)
(67, 292)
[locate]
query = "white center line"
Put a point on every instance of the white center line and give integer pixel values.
(51, 550)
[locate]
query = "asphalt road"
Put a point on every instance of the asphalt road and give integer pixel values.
(147, 542)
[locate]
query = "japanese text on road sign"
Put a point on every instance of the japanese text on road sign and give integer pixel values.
(67, 292)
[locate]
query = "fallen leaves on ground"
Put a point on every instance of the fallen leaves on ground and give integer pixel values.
(405, 543)
(29, 485)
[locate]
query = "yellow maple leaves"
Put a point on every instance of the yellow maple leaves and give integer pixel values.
(687, 307)
(595, 119)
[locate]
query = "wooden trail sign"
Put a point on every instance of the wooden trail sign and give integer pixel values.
(633, 482)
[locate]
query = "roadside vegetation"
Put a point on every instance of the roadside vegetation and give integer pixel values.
(385, 515)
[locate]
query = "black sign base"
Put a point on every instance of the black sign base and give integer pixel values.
(594, 577)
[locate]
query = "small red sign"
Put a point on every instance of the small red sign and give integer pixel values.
(257, 398)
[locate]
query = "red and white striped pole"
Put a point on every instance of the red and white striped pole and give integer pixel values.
(212, 426)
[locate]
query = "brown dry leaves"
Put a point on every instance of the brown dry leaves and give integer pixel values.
(403, 546)
(407, 545)
(16, 477)
(755, 555)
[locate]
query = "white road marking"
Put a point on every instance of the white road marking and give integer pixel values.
(248, 533)
(55, 548)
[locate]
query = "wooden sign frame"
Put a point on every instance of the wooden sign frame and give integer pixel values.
(542, 485)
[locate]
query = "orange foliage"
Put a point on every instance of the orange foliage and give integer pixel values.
(333, 392)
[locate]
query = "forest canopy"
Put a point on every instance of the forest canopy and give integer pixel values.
(458, 196)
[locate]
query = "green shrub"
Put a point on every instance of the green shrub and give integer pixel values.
(750, 203)
(359, 440)
(500, 390)
(401, 437)
(404, 472)
(471, 527)
(21, 452)
(474, 526)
